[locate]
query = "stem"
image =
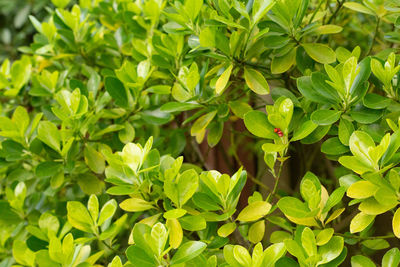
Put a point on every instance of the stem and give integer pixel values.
(236, 157)
(378, 20)
(277, 177)
(315, 12)
(339, 6)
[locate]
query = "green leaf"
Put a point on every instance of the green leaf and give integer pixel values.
(48, 169)
(135, 205)
(260, 8)
(256, 232)
(333, 146)
(320, 52)
(158, 238)
(22, 254)
(331, 250)
(391, 258)
(325, 116)
(215, 133)
(308, 242)
(375, 101)
(376, 244)
(201, 123)
(361, 261)
(386, 196)
(359, 8)
(308, 90)
(175, 232)
(360, 222)
(272, 254)
(372, 207)
(295, 249)
(324, 236)
(138, 257)
(116, 262)
(258, 124)
(283, 63)
(256, 81)
(226, 229)
(107, 211)
(239, 108)
(117, 91)
(187, 185)
(127, 134)
(60, 3)
(223, 80)
(188, 251)
(293, 207)
(242, 255)
(360, 143)
(365, 115)
(207, 37)
(174, 214)
(178, 106)
(327, 29)
(346, 128)
(286, 110)
(78, 216)
(94, 159)
(396, 223)
(93, 207)
(310, 189)
(193, 223)
(334, 198)
(49, 134)
(254, 211)
(304, 130)
(355, 164)
(90, 184)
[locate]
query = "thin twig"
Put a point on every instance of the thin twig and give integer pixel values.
(277, 178)
(374, 36)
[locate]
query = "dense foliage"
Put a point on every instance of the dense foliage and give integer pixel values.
(108, 118)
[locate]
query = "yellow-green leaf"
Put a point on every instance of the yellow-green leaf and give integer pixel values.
(360, 222)
(256, 232)
(254, 211)
(175, 233)
(256, 81)
(320, 52)
(226, 229)
(135, 205)
(359, 8)
(94, 159)
(328, 29)
(283, 63)
(361, 189)
(201, 123)
(324, 236)
(396, 223)
(223, 80)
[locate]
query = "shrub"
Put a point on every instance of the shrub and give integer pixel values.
(108, 118)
